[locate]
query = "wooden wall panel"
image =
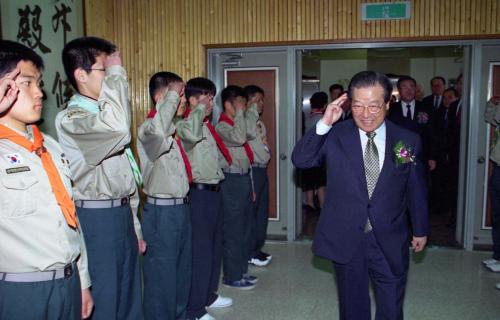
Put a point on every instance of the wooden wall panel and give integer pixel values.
(170, 35)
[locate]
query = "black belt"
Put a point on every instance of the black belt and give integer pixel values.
(206, 186)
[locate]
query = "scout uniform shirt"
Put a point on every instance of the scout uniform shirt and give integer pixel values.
(257, 136)
(162, 165)
(235, 137)
(34, 235)
(200, 146)
(94, 136)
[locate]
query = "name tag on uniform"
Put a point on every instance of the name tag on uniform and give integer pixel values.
(17, 169)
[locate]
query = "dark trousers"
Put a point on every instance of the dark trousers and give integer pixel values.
(495, 204)
(113, 260)
(369, 263)
(59, 299)
(236, 195)
(257, 222)
(167, 262)
(206, 223)
(441, 196)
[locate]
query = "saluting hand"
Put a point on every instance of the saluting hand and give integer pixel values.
(113, 59)
(334, 110)
(8, 90)
(205, 100)
(176, 86)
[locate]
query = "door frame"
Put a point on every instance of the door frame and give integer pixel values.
(289, 189)
(276, 124)
(472, 63)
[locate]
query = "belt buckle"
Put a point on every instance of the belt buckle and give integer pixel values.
(68, 271)
(124, 201)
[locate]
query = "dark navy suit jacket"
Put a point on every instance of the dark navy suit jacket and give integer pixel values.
(422, 123)
(400, 189)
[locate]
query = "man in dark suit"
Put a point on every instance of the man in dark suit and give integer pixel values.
(375, 177)
(435, 100)
(415, 116)
(445, 137)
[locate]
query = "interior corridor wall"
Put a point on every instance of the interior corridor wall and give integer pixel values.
(172, 34)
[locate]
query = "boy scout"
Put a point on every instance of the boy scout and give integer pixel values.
(203, 147)
(165, 219)
(43, 264)
(236, 189)
(94, 133)
(256, 133)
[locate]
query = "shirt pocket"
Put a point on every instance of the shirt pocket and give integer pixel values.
(18, 195)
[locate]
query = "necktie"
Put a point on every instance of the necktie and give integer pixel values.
(408, 111)
(372, 169)
(58, 189)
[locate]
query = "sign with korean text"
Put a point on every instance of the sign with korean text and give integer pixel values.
(45, 26)
(386, 10)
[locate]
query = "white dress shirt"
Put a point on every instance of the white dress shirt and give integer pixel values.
(379, 139)
(404, 108)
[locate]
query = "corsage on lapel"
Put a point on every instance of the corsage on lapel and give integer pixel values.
(422, 117)
(403, 154)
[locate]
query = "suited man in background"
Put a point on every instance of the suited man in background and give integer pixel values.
(415, 116)
(435, 100)
(372, 194)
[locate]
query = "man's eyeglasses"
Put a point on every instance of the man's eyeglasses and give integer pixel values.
(373, 109)
(98, 69)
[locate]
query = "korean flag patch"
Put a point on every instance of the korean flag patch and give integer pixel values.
(14, 158)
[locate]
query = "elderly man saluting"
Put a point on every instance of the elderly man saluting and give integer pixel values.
(375, 188)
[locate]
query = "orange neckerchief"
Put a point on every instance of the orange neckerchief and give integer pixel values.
(58, 188)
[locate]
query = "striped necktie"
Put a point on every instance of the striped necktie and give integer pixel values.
(372, 169)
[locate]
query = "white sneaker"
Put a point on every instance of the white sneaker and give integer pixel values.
(259, 262)
(221, 302)
(490, 261)
(206, 317)
(495, 267)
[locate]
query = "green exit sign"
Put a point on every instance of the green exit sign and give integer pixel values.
(385, 10)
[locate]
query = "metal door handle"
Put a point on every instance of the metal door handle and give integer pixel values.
(480, 159)
(282, 156)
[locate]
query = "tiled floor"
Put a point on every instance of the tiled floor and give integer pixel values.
(443, 284)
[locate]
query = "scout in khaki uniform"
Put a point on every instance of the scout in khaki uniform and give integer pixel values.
(236, 189)
(204, 147)
(256, 134)
(94, 132)
(166, 221)
(43, 262)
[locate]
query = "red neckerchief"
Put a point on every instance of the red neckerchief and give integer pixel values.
(185, 159)
(217, 138)
(248, 150)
